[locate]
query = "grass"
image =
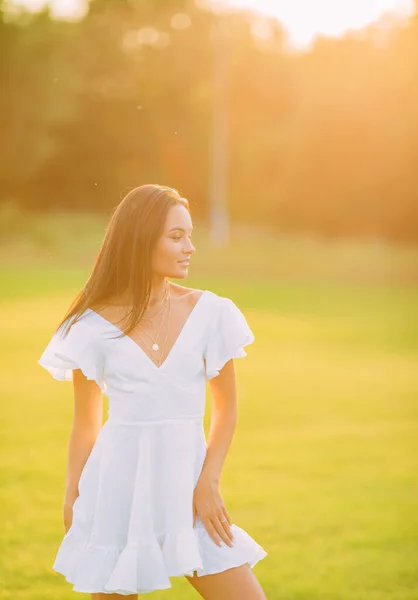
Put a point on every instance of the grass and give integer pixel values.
(322, 469)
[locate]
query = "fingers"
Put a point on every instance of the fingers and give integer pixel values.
(227, 524)
(67, 517)
(215, 519)
(226, 515)
(219, 531)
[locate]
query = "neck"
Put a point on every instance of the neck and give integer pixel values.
(158, 290)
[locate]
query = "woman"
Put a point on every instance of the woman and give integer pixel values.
(142, 501)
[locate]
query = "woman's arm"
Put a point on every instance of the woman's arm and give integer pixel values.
(208, 502)
(87, 422)
(223, 421)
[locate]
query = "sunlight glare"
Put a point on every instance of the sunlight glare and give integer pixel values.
(305, 19)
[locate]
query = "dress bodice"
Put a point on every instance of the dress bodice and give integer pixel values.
(214, 332)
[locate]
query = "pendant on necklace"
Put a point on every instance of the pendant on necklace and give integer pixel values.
(155, 347)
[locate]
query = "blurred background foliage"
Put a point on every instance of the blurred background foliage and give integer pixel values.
(323, 141)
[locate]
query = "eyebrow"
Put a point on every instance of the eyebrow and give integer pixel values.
(178, 229)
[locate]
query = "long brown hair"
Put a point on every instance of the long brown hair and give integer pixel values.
(123, 263)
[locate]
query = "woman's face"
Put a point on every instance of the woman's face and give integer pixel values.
(174, 246)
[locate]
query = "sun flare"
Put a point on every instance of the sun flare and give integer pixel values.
(305, 19)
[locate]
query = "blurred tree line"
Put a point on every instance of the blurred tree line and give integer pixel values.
(324, 141)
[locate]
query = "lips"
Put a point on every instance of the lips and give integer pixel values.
(184, 262)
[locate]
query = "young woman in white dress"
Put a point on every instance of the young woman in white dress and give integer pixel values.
(142, 500)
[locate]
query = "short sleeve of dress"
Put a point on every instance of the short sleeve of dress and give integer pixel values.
(78, 349)
(229, 333)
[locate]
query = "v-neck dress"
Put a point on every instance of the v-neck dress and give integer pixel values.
(132, 526)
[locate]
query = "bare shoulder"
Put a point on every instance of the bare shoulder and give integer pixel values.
(188, 295)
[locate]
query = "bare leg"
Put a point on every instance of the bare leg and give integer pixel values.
(238, 583)
(100, 596)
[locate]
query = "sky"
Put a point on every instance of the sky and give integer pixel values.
(304, 19)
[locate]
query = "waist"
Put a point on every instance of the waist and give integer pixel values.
(160, 421)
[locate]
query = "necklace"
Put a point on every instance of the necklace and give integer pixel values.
(155, 346)
(159, 361)
(163, 304)
(166, 333)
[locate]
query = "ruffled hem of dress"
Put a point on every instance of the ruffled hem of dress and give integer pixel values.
(147, 567)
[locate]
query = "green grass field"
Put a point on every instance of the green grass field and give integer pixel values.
(323, 467)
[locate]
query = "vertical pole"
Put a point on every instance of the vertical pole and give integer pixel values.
(219, 218)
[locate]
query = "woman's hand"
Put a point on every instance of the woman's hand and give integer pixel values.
(208, 504)
(68, 512)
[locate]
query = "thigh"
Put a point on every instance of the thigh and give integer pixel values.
(238, 583)
(100, 596)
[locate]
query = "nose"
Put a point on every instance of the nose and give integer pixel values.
(189, 248)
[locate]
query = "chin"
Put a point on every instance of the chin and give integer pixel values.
(175, 273)
(181, 275)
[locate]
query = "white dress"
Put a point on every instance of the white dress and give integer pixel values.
(132, 526)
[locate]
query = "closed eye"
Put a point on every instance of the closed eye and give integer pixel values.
(179, 237)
